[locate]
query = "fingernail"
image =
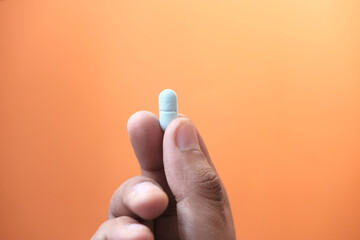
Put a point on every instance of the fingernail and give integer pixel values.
(186, 137)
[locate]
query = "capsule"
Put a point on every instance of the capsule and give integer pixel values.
(167, 107)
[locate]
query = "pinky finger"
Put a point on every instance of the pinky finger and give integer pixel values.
(123, 228)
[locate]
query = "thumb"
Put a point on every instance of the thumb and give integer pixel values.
(202, 205)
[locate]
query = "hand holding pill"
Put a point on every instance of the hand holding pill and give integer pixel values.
(179, 194)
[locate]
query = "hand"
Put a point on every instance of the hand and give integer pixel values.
(179, 194)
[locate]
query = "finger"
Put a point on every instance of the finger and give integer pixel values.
(201, 142)
(138, 197)
(184, 159)
(146, 138)
(199, 193)
(123, 228)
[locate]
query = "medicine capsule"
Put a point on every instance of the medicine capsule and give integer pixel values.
(167, 107)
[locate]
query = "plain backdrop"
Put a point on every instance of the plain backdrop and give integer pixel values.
(273, 87)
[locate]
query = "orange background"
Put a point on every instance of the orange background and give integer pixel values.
(273, 86)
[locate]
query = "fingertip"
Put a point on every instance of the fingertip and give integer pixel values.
(125, 228)
(182, 131)
(175, 124)
(141, 118)
(147, 200)
(145, 118)
(136, 231)
(180, 115)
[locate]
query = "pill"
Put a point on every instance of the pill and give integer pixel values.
(167, 107)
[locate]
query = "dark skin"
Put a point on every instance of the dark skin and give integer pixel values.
(179, 195)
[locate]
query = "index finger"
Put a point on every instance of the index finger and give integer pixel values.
(146, 139)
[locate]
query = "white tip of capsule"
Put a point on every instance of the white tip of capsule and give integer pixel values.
(168, 100)
(167, 107)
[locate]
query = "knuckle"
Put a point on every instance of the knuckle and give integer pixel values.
(209, 184)
(118, 204)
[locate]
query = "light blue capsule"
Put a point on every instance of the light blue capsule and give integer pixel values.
(167, 107)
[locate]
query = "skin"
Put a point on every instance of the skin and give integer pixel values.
(179, 194)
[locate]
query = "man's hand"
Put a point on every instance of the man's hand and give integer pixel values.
(179, 194)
